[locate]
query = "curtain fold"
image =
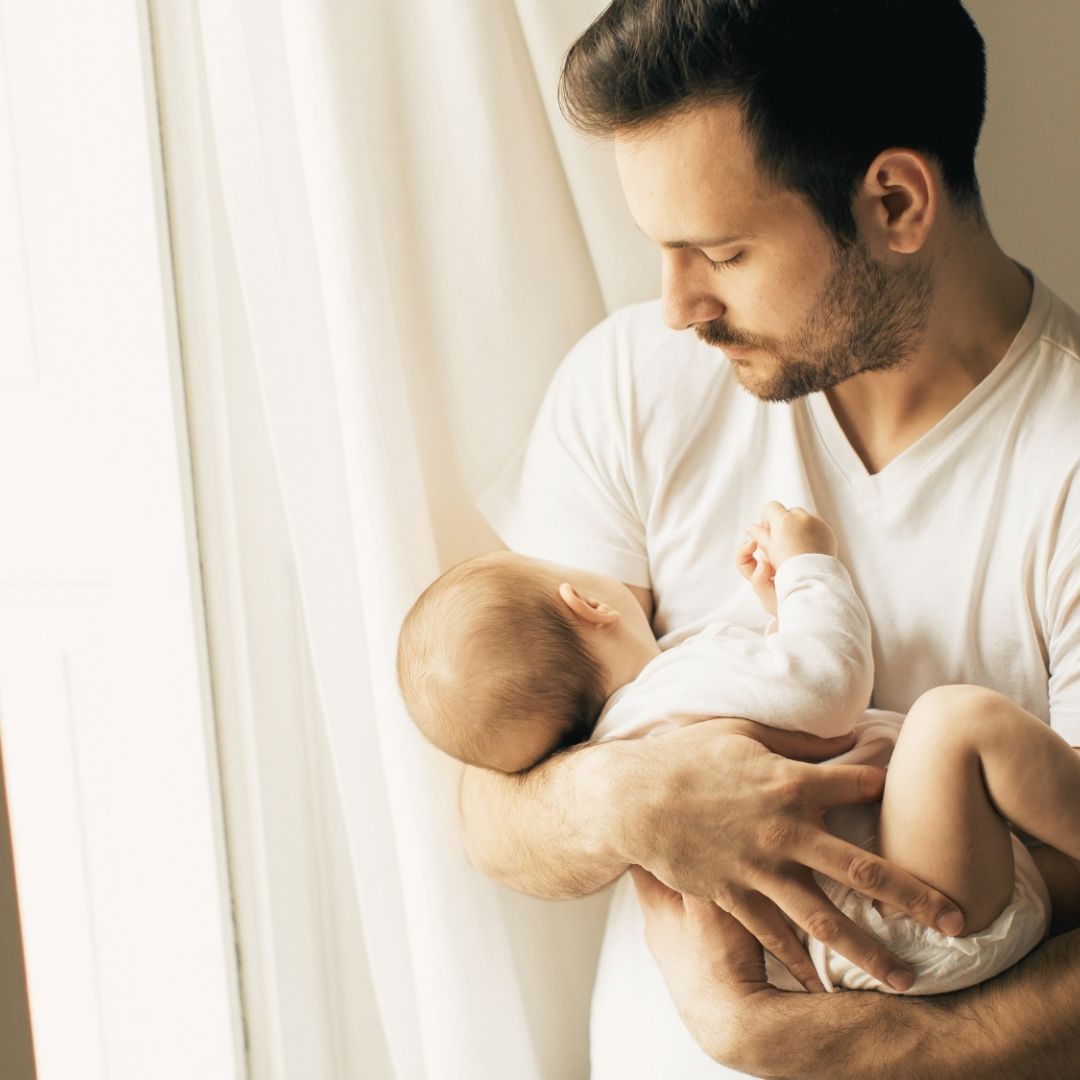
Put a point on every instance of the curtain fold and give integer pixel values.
(276, 259)
(626, 264)
(412, 266)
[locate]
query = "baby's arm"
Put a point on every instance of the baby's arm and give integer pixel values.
(814, 670)
(780, 535)
(820, 643)
(813, 673)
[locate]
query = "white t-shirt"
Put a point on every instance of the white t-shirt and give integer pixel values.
(813, 670)
(648, 460)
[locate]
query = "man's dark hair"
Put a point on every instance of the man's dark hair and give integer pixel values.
(823, 85)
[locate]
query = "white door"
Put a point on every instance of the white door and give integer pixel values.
(105, 708)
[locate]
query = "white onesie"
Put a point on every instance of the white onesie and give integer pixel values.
(813, 670)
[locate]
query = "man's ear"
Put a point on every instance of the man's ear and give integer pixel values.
(898, 198)
(589, 610)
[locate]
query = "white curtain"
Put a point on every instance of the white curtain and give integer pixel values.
(418, 240)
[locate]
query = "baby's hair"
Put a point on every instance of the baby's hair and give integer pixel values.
(489, 659)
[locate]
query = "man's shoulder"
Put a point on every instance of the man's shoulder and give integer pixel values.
(1044, 380)
(1059, 338)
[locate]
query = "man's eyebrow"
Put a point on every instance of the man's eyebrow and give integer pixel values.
(713, 242)
(716, 242)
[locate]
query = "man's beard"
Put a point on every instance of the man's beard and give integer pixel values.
(868, 318)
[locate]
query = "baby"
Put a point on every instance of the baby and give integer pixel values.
(505, 660)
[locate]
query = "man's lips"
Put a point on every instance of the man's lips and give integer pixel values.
(737, 352)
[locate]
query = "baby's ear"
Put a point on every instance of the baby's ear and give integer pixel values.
(594, 612)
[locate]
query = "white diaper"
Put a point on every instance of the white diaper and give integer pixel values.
(941, 963)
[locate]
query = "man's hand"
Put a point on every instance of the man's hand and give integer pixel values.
(1020, 1024)
(711, 964)
(717, 813)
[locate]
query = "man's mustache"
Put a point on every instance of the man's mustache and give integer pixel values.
(716, 333)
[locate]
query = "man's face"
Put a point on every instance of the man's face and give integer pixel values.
(751, 268)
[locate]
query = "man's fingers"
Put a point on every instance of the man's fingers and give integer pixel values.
(719, 933)
(873, 876)
(800, 746)
(807, 906)
(763, 919)
(842, 785)
(652, 892)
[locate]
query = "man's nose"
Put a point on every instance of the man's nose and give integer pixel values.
(687, 294)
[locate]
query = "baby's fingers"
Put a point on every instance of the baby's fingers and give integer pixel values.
(763, 573)
(758, 532)
(745, 559)
(773, 514)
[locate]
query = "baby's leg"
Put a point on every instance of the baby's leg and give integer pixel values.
(968, 759)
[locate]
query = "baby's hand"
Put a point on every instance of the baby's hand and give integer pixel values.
(783, 533)
(759, 574)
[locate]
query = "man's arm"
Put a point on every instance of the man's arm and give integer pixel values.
(548, 832)
(1021, 1024)
(1024, 1023)
(715, 809)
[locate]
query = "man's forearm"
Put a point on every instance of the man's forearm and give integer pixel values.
(548, 832)
(1025, 1023)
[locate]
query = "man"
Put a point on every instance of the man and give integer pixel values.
(807, 170)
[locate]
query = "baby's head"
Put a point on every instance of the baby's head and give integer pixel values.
(502, 661)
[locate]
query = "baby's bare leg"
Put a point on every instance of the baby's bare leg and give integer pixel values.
(968, 759)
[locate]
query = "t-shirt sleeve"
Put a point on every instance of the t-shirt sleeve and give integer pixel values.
(1063, 637)
(569, 496)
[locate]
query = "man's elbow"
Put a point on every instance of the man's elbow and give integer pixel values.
(489, 850)
(477, 851)
(515, 858)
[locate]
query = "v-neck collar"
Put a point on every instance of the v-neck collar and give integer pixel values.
(927, 447)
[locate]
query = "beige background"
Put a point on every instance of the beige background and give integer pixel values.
(1029, 166)
(1029, 159)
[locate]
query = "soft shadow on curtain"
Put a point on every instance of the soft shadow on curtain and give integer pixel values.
(414, 238)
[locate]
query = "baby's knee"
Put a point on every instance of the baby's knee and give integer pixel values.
(956, 712)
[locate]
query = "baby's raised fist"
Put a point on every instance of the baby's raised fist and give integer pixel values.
(783, 533)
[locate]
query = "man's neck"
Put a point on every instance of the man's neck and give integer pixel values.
(981, 301)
